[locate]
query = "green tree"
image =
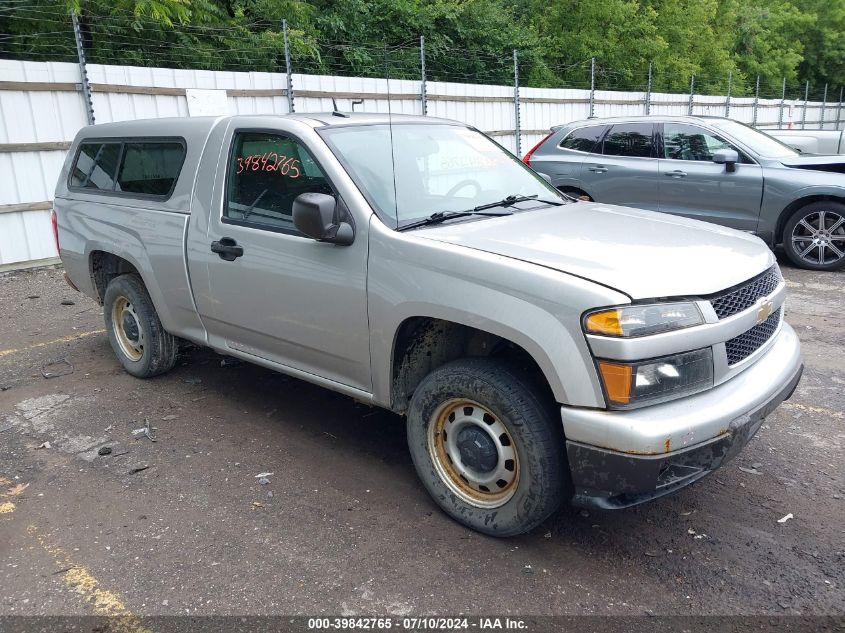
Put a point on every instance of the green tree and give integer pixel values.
(824, 44)
(695, 45)
(621, 34)
(767, 41)
(467, 40)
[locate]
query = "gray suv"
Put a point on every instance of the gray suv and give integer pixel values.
(707, 168)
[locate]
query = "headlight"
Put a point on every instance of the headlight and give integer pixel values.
(642, 320)
(629, 385)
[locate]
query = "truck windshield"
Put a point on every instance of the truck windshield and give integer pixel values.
(763, 144)
(410, 171)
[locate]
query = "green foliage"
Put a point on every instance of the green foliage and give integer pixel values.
(695, 45)
(824, 44)
(466, 40)
(768, 41)
(621, 34)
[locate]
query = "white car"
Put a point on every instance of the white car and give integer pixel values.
(811, 141)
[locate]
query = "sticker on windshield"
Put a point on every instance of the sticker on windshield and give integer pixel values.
(473, 161)
(478, 141)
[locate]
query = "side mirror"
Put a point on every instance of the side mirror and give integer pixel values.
(318, 216)
(727, 157)
(545, 177)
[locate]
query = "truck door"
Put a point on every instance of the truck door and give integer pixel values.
(262, 287)
(692, 185)
(625, 172)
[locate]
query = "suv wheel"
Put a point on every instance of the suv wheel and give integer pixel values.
(487, 447)
(135, 332)
(814, 237)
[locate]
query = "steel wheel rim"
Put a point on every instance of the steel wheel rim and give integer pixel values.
(457, 427)
(127, 329)
(819, 238)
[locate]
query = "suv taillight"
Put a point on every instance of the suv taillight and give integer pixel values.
(54, 220)
(527, 158)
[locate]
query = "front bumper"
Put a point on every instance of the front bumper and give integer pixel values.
(621, 458)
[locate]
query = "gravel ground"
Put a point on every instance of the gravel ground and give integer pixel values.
(183, 526)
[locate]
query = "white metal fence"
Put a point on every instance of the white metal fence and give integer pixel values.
(42, 108)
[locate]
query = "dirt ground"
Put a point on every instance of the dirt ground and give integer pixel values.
(183, 526)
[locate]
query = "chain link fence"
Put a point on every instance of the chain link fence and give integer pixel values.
(46, 32)
(60, 71)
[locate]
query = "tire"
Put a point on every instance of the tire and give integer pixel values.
(475, 400)
(138, 339)
(808, 239)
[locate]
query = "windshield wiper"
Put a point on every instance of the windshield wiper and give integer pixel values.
(505, 202)
(442, 216)
(513, 199)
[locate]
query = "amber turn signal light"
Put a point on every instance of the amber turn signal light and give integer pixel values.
(617, 381)
(605, 322)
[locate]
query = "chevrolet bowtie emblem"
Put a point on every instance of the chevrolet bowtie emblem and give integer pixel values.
(765, 310)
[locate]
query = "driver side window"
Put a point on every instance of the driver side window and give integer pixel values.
(688, 142)
(265, 175)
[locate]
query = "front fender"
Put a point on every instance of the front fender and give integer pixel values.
(782, 195)
(537, 308)
(820, 190)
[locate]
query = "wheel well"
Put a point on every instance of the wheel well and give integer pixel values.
(575, 192)
(794, 206)
(423, 344)
(105, 267)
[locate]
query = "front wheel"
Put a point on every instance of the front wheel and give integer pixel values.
(814, 236)
(488, 447)
(139, 341)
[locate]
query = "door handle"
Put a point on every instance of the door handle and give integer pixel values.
(676, 174)
(599, 169)
(227, 248)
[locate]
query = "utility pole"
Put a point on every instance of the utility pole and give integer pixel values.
(83, 70)
(782, 104)
(423, 96)
(756, 102)
(824, 104)
(517, 130)
(728, 98)
(648, 91)
(691, 93)
(288, 70)
(806, 98)
(592, 87)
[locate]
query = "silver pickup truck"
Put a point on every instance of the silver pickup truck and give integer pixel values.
(542, 349)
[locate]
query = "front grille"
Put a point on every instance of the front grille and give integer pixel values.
(742, 297)
(742, 346)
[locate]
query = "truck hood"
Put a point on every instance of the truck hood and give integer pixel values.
(640, 253)
(833, 163)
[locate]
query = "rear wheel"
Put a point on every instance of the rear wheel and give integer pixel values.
(814, 236)
(135, 332)
(488, 447)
